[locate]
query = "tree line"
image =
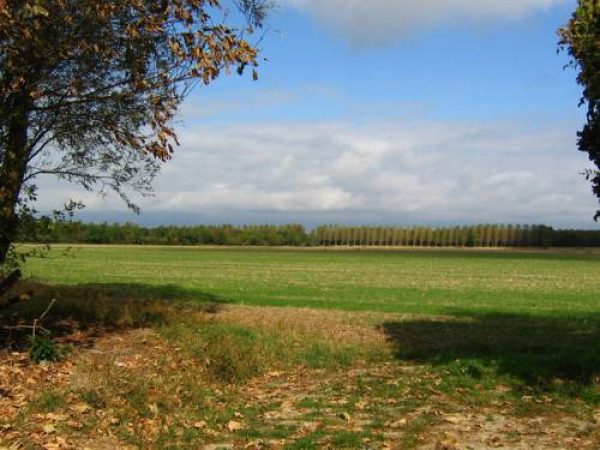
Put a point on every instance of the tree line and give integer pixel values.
(486, 235)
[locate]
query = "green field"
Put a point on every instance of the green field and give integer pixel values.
(167, 347)
(417, 282)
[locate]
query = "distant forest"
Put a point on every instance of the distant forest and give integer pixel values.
(327, 235)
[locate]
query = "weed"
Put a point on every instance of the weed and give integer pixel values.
(49, 401)
(415, 430)
(137, 398)
(346, 440)
(42, 347)
(93, 398)
(309, 442)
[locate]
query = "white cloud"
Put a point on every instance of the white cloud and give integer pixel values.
(204, 105)
(416, 172)
(375, 21)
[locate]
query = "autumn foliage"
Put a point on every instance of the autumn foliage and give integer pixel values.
(89, 88)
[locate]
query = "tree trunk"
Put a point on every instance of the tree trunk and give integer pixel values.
(13, 167)
(6, 284)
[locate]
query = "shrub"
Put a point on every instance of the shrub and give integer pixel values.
(42, 347)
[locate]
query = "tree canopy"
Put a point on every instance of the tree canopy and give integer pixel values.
(581, 39)
(89, 88)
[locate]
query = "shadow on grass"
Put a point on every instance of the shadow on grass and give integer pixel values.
(540, 352)
(99, 308)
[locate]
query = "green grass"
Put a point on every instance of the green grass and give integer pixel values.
(531, 317)
(485, 331)
(419, 282)
(49, 401)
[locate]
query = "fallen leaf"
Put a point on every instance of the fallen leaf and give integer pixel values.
(49, 428)
(502, 388)
(436, 392)
(233, 426)
(79, 407)
(398, 423)
(450, 442)
(52, 446)
(57, 417)
(200, 424)
(452, 419)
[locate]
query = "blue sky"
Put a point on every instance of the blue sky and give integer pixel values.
(382, 112)
(498, 67)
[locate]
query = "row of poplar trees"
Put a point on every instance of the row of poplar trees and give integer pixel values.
(465, 236)
(327, 236)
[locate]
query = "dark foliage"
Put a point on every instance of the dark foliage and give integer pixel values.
(581, 39)
(296, 235)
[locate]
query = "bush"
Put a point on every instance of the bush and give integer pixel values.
(42, 347)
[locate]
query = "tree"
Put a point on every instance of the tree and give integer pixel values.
(89, 88)
(581, 39)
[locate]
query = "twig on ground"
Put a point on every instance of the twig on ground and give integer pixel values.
(36, 322)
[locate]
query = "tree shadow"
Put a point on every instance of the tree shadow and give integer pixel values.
(541, 352)
(98, 308)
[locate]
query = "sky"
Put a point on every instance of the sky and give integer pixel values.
(381, 112)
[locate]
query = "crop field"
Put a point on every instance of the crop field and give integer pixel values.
(248, 348)
(417, 282)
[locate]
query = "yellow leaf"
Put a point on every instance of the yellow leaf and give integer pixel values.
(56, 417)
(79, 407)
(233, 426)
(398, 423)
(452, 419)
(38, 10)
(49, 428)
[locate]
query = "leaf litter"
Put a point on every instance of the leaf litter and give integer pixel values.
(388, 405)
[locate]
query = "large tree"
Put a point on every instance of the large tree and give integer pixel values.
(581, 39)
(89, 88)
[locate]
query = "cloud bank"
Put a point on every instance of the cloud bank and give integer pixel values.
(399, 172)
(377, 21)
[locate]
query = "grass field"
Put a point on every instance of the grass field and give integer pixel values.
(177, 348)
(418, 282)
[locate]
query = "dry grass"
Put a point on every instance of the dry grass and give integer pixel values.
(134, 389)
(333, 326)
